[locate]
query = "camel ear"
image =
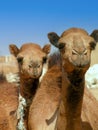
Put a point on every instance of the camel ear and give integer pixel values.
(94, 34)
(13, 49)
(53, 38)
(46, 49)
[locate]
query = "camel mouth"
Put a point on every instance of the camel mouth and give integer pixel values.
(35, 77)
(79, 63)
(81, 66)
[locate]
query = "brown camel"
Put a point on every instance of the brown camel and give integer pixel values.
(43, 109)
(8, 105)
(75, 47)
(32, 60)
(58, 100)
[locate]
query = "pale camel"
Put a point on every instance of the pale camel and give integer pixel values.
(94, 55)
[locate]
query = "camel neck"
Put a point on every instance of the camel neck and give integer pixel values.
(28, 87)
(72, 95)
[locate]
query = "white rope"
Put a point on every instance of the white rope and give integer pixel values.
(20, 113)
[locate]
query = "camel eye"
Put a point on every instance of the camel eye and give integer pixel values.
(85, 52)
(38, 65)
(61, 45)
(74, 52)
(19, 59)
(44, 59)
(30, 66)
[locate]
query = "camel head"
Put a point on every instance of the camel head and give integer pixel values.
(75, 47)
(31, 58)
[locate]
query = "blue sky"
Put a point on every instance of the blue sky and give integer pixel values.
(23, 21)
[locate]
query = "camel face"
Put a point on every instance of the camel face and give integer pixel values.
(75, 46)
(31, 58)
(76, 50)
(30, 64)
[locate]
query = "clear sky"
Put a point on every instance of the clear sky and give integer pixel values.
(24, 21)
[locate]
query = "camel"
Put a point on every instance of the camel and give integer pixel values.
(45, 104)
(59, 99)
(75, 47)
(8, 104)
(94, 55)
(33, 63)
(31, 59)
